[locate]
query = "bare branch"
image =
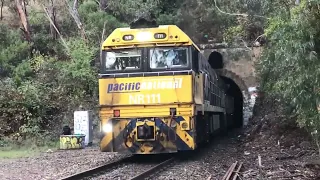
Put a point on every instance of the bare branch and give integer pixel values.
(74, 13)
(52, 23)
(262, 35)
(245, 45)
(102, 39)
(235, 14)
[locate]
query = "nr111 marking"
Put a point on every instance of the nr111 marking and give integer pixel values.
(144, 98)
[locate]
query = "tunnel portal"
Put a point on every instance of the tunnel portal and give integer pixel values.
(235, 92)
(235, 88)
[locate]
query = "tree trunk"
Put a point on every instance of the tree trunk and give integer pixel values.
(74, 13)
(52, 14)
(20, 5)
(103, 5)
(101, 42)
(55, 28)
(1, 8)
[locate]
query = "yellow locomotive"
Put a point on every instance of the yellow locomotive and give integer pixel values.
(157, 92)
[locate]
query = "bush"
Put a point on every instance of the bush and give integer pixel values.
(290, 65)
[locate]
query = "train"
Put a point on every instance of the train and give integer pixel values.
(158, 93)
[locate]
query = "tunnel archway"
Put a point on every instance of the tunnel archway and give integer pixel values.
(235, 91)
(236, 78)
(215, 60)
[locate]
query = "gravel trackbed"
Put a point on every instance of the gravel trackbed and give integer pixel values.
(54, 165)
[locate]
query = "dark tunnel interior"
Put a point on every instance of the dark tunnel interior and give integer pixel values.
(216, 60)
(236, 93)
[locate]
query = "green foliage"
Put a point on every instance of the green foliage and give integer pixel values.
(40, 92)
(233, 33)
(290, 65)
(128, 10)
(13, 50)
(94, 21)
(167, 19)
(77, 75)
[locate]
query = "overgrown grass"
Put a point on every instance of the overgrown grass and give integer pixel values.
(14, 149)
(17, 153)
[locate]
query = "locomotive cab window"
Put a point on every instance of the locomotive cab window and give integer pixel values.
(169, 58)
(121, 60)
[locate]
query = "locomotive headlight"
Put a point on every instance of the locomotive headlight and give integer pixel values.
(107, 128)
(144, 36)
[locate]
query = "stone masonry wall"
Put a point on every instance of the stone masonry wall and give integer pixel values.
(239, 66)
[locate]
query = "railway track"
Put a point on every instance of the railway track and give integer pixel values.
(233, 171)
(154, 170)
(97, 170)
(120, 167)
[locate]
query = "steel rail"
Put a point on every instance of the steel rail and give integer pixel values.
(233, 171)
(97, 170)
(153, 170)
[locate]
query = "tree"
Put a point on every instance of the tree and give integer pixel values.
(290, 65)
(22, 11)
(103, 5)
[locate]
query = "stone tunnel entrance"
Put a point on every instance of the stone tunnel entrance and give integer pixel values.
(236, 88)
(235, 92)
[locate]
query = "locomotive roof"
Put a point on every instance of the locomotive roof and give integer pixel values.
(162, 35)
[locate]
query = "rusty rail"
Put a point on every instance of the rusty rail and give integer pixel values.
(233, 171)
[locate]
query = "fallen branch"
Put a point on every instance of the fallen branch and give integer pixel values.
(314, 162)
(260, 167)
(289, 156)
(289, 176)
(209, 178)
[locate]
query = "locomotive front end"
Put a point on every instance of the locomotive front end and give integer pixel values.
(149, 116)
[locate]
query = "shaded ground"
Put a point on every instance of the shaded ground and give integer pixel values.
(286, 151)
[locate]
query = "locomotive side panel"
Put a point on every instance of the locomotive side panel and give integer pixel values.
(212, 87)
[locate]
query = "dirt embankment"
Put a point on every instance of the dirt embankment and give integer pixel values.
(285, 151)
